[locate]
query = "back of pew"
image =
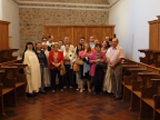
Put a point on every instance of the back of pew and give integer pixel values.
(12, 78)
(7, 88)
(146, 94)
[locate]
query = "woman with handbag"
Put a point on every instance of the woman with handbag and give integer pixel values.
(56, 61)
(97, 60)
(84, 55)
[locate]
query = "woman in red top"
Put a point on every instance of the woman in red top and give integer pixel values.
(56, 60)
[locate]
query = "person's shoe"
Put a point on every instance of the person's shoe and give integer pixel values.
(53, 91)
(94, 93)
(77, 89)
(43, 92)
(61, 90)
(117, 98)
(29, 94)
(89, 90)
(81, 90)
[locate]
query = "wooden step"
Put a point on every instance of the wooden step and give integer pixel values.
(137, 93)
(6, 90)
(149, 101)
(20, 84)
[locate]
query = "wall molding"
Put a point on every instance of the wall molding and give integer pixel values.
(60, 5)
(67, 6)
(63, 8)
(114, 3)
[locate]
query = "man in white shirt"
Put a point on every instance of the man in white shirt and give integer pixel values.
(66, 41)
(115, 56)
(92, 42)
(50, 41)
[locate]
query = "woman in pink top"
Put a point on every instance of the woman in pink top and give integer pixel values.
(85, 68)
(97, 60)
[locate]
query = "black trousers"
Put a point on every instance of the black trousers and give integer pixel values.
(98, 78)
(69, 76)
(55, 72)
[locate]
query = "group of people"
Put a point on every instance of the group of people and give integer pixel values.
(92, 66)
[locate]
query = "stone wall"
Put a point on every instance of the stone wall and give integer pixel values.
(32, 20)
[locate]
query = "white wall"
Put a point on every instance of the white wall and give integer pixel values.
(0, 9)
(10, 12)
(131, 19)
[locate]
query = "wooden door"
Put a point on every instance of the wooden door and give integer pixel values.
(4, 35)
(154, 35)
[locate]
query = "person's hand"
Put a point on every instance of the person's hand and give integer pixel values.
(67, 58)
(28, 70)
(94, 61)
(111, 65)
(57, 65)
(98, 60)
(53, 63)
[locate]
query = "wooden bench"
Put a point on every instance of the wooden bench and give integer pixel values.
(7, 88)
(132, 85)
(139, 84)
(12, 73)
(156, 98)
(151, 57)
(19, 72)
(7, 55)
(148, 56)
(147, 92)
(12, 78)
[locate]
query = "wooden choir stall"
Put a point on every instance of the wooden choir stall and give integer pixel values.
(141, 80)
(12, 77)
(152, 55)
(141, 87)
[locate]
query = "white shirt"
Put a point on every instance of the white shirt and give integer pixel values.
(70, 54)
(92, 45)
(63, 47)
(49, 43)
(114, 55)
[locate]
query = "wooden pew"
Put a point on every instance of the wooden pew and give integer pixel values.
(7, 55)
(134, 87)
(148, 56)
(129, 69)
(12, 73)
(151, 57)
(147, 92)
(19, 74)
(143, 94)
(7, 88)
(156, 98)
